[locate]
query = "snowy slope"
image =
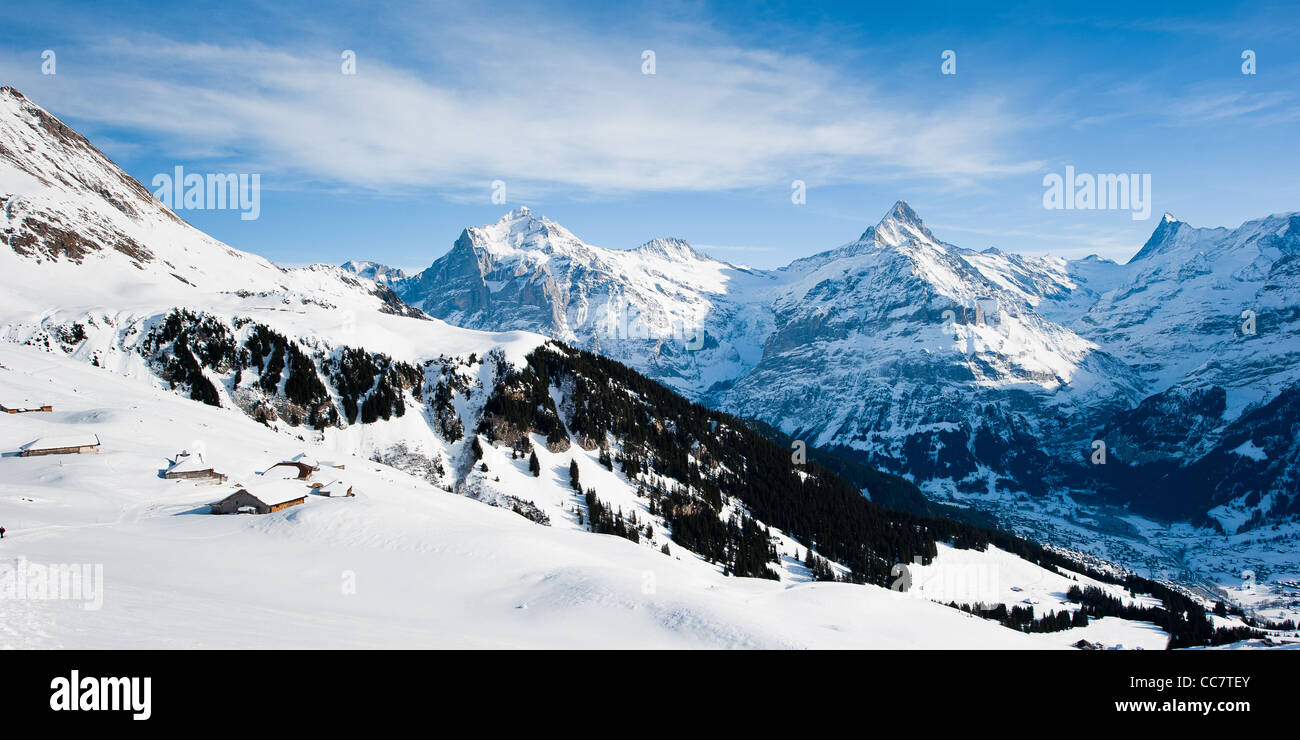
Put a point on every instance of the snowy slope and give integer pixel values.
(403, 564)
(400, 565)
(69, 211)
(65, 202)
(97, 266)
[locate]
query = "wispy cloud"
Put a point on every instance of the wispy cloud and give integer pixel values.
(539, 111)
(1230, 105)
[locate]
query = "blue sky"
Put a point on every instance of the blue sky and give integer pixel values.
(391, 163)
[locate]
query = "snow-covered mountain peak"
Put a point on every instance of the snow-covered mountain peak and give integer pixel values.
(903, 213)
(671, 248)
(520, 230)
(899, 226)
(382, 274)
(38, 152)
(64, 201)
(1164, 236)
(81, 232)
(1178, 242)
(523, 237)
(521, 219)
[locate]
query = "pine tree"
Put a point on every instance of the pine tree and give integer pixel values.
(533, 466)
(573, 476)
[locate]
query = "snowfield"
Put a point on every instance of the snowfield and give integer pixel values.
(402, 564)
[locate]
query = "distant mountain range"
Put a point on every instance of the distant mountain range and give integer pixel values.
(1169, 384)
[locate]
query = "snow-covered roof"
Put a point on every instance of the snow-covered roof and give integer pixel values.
(63, 440)
(281, 471)
(335, 487)
(274, 492)
(303, 458)
(186, 463)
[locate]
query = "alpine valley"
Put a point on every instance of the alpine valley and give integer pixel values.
(540, 443)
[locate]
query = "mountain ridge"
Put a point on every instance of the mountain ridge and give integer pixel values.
(1040, 338)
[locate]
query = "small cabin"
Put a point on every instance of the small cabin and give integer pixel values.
(23, 406)
(334, 489)
(267, 499)
(192, 467)
(67, 445)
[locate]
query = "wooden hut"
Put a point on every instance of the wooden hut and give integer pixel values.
(62, 445)
(268, 498)
(192, 467)
(23, 406)
(334, 489)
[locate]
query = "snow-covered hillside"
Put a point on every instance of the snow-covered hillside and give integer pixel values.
(402, 564)
(74, 288)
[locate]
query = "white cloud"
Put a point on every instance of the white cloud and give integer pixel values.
(538, 110)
